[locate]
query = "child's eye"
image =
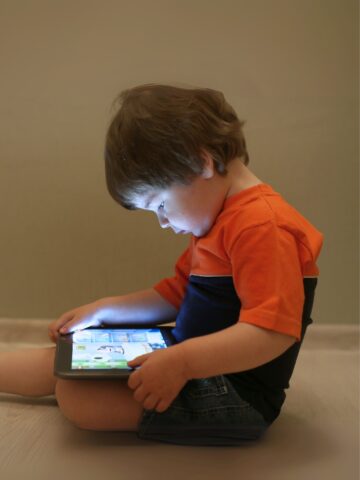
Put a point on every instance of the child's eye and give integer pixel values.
(161, 206)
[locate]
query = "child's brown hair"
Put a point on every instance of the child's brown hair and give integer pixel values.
(156, 137)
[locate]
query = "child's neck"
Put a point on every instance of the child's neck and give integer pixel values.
(240, 177)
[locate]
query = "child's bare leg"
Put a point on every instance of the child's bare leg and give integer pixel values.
(99, 404)
(28, 372)
(88, 404)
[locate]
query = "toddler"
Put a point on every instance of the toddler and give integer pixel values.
(241, 296)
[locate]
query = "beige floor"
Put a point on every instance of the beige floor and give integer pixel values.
(317, 435)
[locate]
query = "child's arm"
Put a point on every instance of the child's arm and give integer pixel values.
(145, 307)
(240, 347)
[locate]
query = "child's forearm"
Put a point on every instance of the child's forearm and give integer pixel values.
(145, 306)
(237, 348)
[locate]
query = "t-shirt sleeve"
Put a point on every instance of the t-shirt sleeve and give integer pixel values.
(173, 288)
(268, 278)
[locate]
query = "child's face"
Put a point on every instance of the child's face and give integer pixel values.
(183, 208)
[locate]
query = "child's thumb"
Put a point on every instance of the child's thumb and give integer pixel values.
(135, 362)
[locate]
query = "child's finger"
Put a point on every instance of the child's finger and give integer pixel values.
(134, 380)
(135, 362)
(68, 328)
(65, 317)
(75, 325)
(52, 335)
(162, 406)
(150, 402)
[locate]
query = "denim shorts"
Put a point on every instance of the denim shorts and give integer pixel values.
(207, 411)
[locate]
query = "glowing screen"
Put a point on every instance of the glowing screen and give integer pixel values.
(111, 348)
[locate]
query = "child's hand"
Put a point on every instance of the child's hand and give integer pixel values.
(76, 319)
(161, 376)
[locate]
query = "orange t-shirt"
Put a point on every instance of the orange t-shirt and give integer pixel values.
(261, 247)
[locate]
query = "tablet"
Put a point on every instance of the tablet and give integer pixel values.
(104, 352)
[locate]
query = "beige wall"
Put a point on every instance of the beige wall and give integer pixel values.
(289, 67)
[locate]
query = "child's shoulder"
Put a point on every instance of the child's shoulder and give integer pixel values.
(253, 206)
(255, 220)
(258, 206)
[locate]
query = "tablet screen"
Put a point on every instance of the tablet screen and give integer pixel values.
(112, 348)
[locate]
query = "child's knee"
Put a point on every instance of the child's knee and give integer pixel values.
(91, 405)
(68, 395)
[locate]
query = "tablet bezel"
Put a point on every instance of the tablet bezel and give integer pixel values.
(63, 354)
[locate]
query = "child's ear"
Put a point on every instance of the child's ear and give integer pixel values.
(208, 168)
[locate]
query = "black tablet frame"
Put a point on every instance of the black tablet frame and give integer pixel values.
(63, 355)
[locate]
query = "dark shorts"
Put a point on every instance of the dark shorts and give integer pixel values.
(207, 411)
